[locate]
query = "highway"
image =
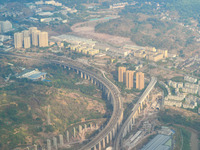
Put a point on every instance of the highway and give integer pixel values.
(117, 103)
(134, 110)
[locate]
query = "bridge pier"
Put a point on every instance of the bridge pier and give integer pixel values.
(125, 131)
(103, 143)
(81, 75)
(85, 76)
(67, 136)
(111, 136)
(74, 132)
(100, 145)
(80, 129)
(95, 148)
(35, 147)
(107, 139)
(108, 95)
(55, 144)
(48, 144)
(91, 80)
(61, 140)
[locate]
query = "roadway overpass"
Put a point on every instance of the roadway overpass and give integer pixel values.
(108, 88)
(112, 93)
(128, 124)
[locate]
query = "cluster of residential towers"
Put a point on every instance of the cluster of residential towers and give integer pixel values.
(127, 76)
(33, 36)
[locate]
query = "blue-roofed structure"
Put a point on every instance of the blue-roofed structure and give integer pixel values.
(34, 75)
(160, 142)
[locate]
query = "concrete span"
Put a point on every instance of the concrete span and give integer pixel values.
(110, 130)
(135, 111)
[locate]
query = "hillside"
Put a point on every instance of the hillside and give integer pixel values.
(145, 30)
(24, 105)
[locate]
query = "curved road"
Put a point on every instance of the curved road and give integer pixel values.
(116, 117)
(135, 108)
(117, 103)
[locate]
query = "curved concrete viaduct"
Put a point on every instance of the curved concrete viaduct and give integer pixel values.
(108, 88)
(128, 124)
(112, 93)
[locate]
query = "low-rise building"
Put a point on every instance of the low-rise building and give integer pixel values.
(175, 97)
(34, 75)
(93, 52)
(190, 79)
(173, 103)
(189, 90)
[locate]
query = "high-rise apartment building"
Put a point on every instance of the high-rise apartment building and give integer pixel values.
(31, 29)
(27, 42)
(5, 26)
(139, 80)
(35, 37)
(43, 39)
(29, 37)
(129, 79)
(18, 40)
(26, 33)
(121, 72)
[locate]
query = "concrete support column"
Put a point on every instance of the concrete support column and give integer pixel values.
(92, 80)
(85, 76)
(113, 131)
(55, 144)
(81, 75)
(131, 125)
(138, 110)
(95, 148)
(100, 145)
(85, 126)
(48, 144)
(91, 126)
(107, 139)
(103, 143)
(61, 139)
(77, 71)
(111, 136)
(35, 147)
(88, 77)
(108, 96)
(128, 127)
(125, 131)
(74, 132)
(67, 136)
(80, 129)
(141, 106)
(133, 121)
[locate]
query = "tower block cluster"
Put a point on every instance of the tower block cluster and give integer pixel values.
(29, 37)
(131, 78)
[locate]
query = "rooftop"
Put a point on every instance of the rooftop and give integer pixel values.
(160, 142)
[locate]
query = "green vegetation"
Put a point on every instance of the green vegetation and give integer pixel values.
(167, 118)
(139, 23)
(163, 88)
(182, 138)
(24, 104)
(178, 79)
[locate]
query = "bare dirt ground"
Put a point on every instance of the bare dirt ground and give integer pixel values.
(87, 29)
